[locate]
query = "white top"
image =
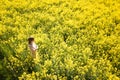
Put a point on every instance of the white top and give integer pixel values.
(33, 47)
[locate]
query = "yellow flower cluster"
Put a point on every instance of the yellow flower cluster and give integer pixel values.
(77, 39)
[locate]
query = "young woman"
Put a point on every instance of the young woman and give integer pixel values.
(33, 47)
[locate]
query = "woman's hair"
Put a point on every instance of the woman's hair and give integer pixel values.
(30, 40)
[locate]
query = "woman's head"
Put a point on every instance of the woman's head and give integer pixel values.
(30, 40)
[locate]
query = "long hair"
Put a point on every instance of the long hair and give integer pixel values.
(30, 40)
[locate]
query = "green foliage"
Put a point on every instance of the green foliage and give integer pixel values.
(77, 39)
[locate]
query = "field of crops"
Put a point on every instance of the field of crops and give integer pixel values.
(77, 39)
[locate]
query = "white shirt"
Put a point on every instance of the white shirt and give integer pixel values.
(33, 47)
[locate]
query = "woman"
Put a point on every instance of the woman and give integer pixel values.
(33, 47)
